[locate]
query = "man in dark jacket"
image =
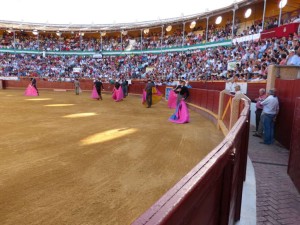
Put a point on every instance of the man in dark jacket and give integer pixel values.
(99, 86)
(33, 84)
(125, 87)
(148, 90)
(182, 92)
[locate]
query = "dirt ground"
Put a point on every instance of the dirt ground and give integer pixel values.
(67, 159)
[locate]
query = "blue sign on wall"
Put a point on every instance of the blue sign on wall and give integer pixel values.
(168, 89)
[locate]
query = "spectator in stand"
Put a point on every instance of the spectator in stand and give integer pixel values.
(295, 42)
(237, 89)
(197, 64)
(255, 77)
(283, 60)
(290, 56)
(295, 59)
(296, 20)
(232, 83)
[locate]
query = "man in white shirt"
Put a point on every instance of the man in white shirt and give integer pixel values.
(237, 89)
(290, 56)
(295, 60)
(270, 111)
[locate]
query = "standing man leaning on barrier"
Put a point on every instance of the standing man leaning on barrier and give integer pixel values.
(270, 111)
(259, 108)
(237, 90)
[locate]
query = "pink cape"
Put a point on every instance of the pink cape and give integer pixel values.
(172, 100)
(118, 94)
(181, 114)
(144, 97)
(30, 91)
(94, 94)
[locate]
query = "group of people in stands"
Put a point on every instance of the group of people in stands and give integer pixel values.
(248, 61)
(76, 42)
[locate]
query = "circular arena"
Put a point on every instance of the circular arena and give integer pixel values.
(68, 159)
(148, 122)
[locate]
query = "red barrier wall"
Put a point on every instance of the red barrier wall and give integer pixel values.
(287, 91)
(44, 84)
(226, 118)
(211, 192)
(136, 87)
(210, 85)
(208, 99)
(253, 89)
(294, 159)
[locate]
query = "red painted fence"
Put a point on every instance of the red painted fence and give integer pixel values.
(294, 165)
(136, 87)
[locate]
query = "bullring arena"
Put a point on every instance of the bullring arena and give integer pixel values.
(216, 140)
(68, 159)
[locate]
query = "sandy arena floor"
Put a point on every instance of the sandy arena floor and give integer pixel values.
(67, 159)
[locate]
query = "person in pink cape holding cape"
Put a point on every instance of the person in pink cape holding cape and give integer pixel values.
(181, 114)
(31, 89)
(117, 92)
(94, 94)
(98, 86)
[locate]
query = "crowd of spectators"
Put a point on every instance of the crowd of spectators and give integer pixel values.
(77, 42)
(51, 42)
(153, 40)
(178, 39)
(248, 61)
(43, 42)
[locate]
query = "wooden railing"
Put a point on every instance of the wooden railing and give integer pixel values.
(211, 192)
